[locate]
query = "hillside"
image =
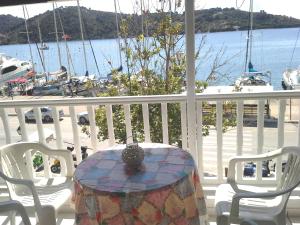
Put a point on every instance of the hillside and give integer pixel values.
(101, 25)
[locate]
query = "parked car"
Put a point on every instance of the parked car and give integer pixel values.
(46, 114)
(83, 118)
(250, 168)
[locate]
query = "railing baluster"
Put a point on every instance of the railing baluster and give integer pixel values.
(110, 125)
(93, 131)
(183, 125)
(200, 139)
(128, 124)
(239, 135)
(24, 135)
(39, 125)
(280, 135)
(164, 116)
(21, 118)
(4, 118)
(146, 122)
(219, 124)
(260, 135)
(75, 135)
(58, 135)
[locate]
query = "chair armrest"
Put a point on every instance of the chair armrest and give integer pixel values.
(234, 212)
(28, 183)
(16, 206)
(233, 161)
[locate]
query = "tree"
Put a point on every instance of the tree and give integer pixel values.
(155, 66)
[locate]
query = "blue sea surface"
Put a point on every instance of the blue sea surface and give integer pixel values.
(272, 50)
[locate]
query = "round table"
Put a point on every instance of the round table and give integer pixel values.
(166, 190)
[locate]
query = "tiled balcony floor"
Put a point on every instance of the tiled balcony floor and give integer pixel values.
(68, 219)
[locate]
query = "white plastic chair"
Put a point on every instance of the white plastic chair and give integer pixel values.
(43, 195)
(235, 203)
(248, 222)
(17, 207)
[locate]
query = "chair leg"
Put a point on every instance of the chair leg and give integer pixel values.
(222, 220)
(12, 217)
(47, 216)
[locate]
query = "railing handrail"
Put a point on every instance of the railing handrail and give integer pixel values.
(249, 96)
(150, 99)
(94, 100)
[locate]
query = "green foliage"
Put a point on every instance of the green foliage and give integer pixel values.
(37, 160)
(142, 78)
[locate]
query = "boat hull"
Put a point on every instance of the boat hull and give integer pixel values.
(291, 80)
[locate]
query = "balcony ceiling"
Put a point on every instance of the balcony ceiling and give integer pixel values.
(21, 2)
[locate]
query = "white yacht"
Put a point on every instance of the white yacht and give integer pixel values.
(12, 68)
(291, 79)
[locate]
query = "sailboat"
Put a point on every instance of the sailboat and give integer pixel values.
(251, 76)
(84, 85)
(44, 86)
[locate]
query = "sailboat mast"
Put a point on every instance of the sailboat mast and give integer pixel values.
(66, 44)
(42, 51)
(118, 32)
(82, 37)
(56, 35)
(251, 28)
(28, 38)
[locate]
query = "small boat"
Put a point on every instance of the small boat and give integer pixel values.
(291, 79)
(60, 75)
(44, 47)
(54, 89)
(12, 68)
(82, 86)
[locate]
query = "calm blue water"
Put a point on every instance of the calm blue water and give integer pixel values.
(272, 50)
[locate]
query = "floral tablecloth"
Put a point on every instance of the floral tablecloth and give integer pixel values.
(166, 191)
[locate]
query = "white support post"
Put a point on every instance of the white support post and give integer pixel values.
(93, 127)
(190, 75)
(239, 135)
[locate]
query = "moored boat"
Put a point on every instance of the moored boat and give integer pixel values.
(291, 79)
(12, 68)
(254, 78)
(251, 76)
(47, 90)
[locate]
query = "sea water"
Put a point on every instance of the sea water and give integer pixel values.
(272, 50)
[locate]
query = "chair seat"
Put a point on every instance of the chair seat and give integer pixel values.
(53, 191)
(256, 209)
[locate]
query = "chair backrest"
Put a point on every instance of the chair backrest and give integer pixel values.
(13, 163)
(13, 160)
(290, 178)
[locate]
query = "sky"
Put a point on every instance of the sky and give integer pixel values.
(277, 7)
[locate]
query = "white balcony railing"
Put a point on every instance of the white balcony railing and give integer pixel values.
(213, 151)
